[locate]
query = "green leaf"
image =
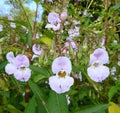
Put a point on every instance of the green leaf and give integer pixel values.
(20, 22)
(57, 103)
(31, 107)
(47, 41)
(3, 64)
(113, 8)
(38, 77)
(28, 39)
(37, 1)
(39, 70)
(94, 108)
(39, 95)
(113, 90)
(113, 108)
(12, 109)
(3, 85)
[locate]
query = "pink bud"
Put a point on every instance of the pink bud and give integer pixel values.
(63, 16)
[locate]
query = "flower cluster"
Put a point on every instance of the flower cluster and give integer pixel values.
(97, 71)
(55, 20)
(12, 25)
(62, 81)
(18, 66)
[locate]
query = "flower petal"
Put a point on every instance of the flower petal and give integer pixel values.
(63, 16)
(37, 49)
(21, 60)
(10, 57)
(56, 27)
(22, 75)
(61, 63)
(99, 55)
(60, 85)
(53, 18)
(98, 74)
(10, 68)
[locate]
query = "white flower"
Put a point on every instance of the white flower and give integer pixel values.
(85, 12)
(61, 63)
(70, 42)
(68, 99)
(13, 25)
(113, 70)
(75, 22)
(98, 72)
(55, 27)
(63, 16)
(103, 41)
(62, 81)
(18, 66)
(10, 67)
(1, 27)
(61, 84)
(54, 21)
(73, 33)
(53, 18)
(99, 55)
(115, 42)
(10, 18)
(118, 63)
(37, 36)
(66, 23)
(78, 76)
(37, 49)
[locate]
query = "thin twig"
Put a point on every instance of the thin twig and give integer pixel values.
(106, 22)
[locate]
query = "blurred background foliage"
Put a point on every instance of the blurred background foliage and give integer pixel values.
(35, 96)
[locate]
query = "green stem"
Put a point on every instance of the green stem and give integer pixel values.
(90, 4)
(25, 13)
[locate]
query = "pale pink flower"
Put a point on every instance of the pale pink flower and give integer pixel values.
(55, 27)
(61, 63)
(85, 12)
(61, 84)
(98, 72)
(62, 81)
(53, 18)
(37, 49)
(78, 76)
(73, 33)
(10, 67)
(100, 55)
(70, 42)
(54, 21)
(18, 66)
(113, 70)
(63, 16)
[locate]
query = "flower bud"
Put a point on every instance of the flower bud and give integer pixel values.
(63, 16)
